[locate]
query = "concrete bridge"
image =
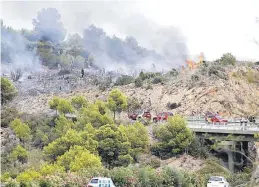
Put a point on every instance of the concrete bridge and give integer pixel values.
(234, 127)
(236, 146)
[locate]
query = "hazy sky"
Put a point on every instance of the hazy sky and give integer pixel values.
(210, 26)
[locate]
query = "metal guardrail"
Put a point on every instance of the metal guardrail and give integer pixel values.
(231, 120)
(224, 126)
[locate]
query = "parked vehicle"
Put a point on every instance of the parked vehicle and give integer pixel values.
(217, 181)
(251, 119)
(140, 115)
(215, 119)
(100, 182)
(163, 116)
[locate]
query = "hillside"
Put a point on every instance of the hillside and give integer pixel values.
(232, 97)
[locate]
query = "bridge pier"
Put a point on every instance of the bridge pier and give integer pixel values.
(228, 146)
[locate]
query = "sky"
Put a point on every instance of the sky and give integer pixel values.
(213, 27)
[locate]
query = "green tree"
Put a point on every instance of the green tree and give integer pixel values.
(138, 82)
(8, 115)
(19, 153)
(113, 145)
(78, 158)
(228, 59)
(70, 139)
(22, 130)
(102, 108)
(53, 104)
(64, 107)
(62, 125)
(49, 169)
(8, 90)
(124, 80)
(61, 105)
(96, 114)
(28, 176)
(174, 136)
(79, 102)
(117, 101)
(137, 135)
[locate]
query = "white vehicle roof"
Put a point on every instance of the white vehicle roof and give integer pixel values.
(100, 178)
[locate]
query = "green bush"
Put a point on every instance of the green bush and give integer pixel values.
(138, 82)
(24, 184)
(8, 90)
(154, 162)
(19, 153)
(144, 76)
(228, 59)
(124, 80)
(12, 184)
(173, 72)
(157, 80)
(196, 149)
(44, 183)
(8, 115)
(124, 177)
(217, 71)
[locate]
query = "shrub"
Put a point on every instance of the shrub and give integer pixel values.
(252, 77)
(24, 184)
(173, 105)
(173, 72)
(124, 80)
(196, 149)
(157, 80)
(19, 153)
(138, 82)
(8, 90)
(195, 78)
(154, 162)
(22, 130)
(143, 76)
(44, 183)
(149, 87)
(28, 176)
(124, 177)
(12, 184)
(8, 115)
(227, 59)
(218, 71)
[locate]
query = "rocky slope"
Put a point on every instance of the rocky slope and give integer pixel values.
(232, 97)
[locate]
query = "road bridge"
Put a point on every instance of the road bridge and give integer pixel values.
(234, 127)
(241, 135)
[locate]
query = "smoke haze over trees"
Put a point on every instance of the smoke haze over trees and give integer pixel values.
(49, 44)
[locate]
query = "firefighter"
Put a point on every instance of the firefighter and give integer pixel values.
(82, 72)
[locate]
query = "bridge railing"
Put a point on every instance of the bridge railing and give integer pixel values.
(227, 126)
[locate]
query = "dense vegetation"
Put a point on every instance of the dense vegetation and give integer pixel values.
(62, 151)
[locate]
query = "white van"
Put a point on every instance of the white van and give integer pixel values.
(100, 182)
(217, 181)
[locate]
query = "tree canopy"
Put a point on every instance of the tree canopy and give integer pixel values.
(113, 145)
(174, 136)
(117, 101)
(8, 90)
